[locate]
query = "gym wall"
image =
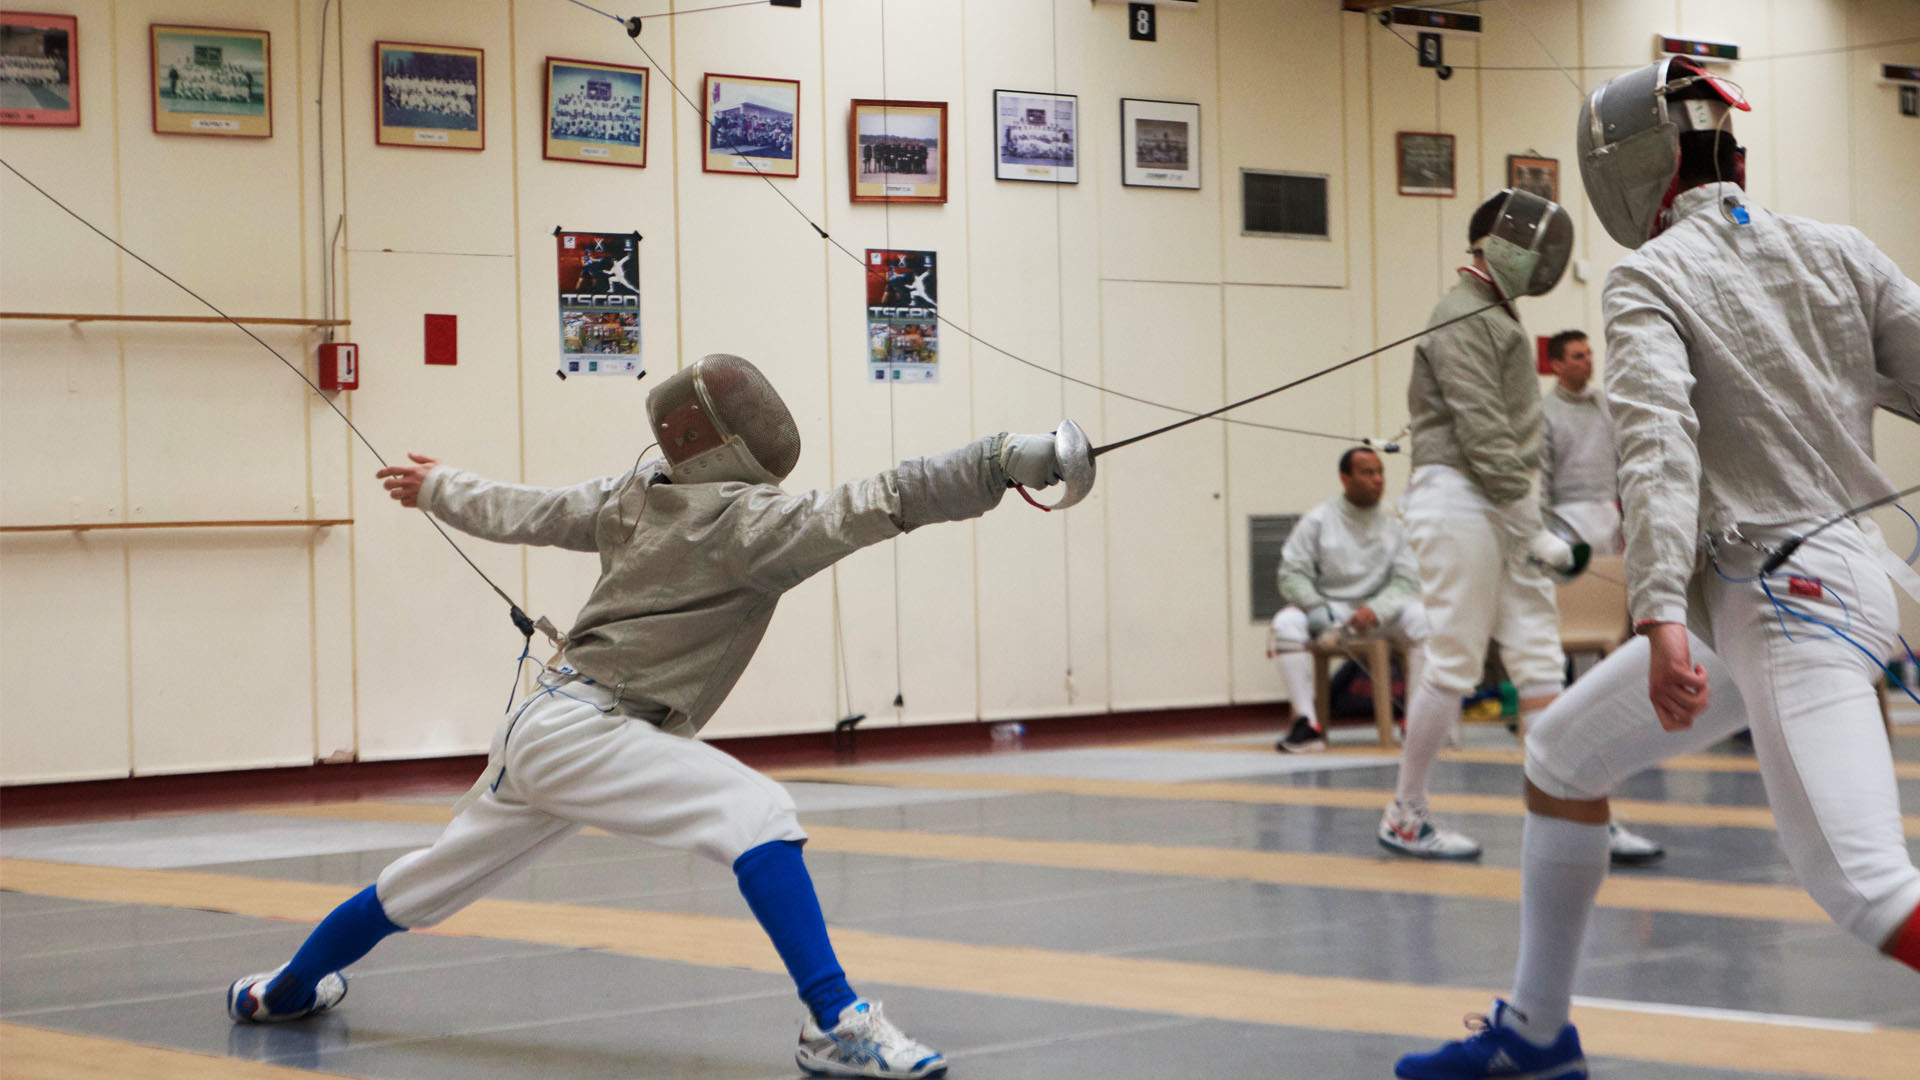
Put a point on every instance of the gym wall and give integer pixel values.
(160, 651)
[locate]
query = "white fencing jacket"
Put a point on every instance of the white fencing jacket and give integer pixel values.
(690, 573)
(1743, 366)
(1576, 447)
(1344, 558)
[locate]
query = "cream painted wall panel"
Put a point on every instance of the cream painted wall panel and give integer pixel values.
(1809, 98)
(1270, 472)
(1281, 108)
(72, 269)
(419, 199)
(1167, 581)
(220, 214)
(60, 431)
(220, 650)
(1154, 234)
(60, 720)
(435, 646)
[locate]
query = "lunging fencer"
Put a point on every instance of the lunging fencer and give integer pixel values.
(1473, 506)
(1346, 570)
(696, 548)
(1747, 352)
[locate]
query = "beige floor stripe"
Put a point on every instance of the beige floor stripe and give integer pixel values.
(1167, 987)
(1689, 896)
(28, 1053)
(1637, 811)
(1491, 755)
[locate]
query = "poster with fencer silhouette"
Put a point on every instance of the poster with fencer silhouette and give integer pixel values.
(903, 323)
(599, 303)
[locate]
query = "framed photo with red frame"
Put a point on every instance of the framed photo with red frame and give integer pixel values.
(429, 96)
(897, 151)
(753, 125)
(596, 113)
(39, 70)
(210, 80)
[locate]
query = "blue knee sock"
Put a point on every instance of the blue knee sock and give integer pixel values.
(348, 934)
(775, 882)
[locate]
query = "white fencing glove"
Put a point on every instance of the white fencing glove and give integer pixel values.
(1029, 460)
(1551, 551)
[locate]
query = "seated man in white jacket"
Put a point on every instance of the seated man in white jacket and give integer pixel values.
(1346, 569)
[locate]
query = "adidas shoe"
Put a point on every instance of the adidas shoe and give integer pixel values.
(1303, 739)
(1496, 1052)
(865, 1043)
(1630, 848)
(245, 1004)
(1411, 832)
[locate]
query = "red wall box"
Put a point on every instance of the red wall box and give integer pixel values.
(443, 339)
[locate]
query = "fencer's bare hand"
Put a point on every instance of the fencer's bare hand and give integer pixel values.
(1675, 684)
(1363, 620)
(403, 481)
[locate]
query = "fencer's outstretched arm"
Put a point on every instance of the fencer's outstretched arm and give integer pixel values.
(516, 513)
(790, 537)
(1656, 436)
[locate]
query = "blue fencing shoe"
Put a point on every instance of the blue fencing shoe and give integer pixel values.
(1497, 1052)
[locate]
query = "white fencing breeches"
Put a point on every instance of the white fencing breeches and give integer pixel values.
(1598, 523)
(1475, 586)
(570, 763)
(1810, 700)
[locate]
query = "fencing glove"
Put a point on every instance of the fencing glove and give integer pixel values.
(1029, 460)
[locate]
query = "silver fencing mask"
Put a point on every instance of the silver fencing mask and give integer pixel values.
(1629, 139)
(719, 419)
(1529, 245)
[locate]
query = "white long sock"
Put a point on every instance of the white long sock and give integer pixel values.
(1430, 715)
(1297, 672)
(1563, 864)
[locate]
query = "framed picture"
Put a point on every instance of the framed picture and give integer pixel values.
(1540, 175)
(596, 113)
(1425, 163)
(897, 151)
(1159, 144)
(431, 96)
(752, 125)
(39, 76)
(1037, 136)
(211, 81)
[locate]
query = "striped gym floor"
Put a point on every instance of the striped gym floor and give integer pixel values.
(1193, 906)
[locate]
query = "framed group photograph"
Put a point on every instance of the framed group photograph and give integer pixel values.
(1424, 163)
(1540, 175)
(897, 151)
(39, 85)
(596, 113)
(1159, 144)
(1037, 136)
(431, 96)
(211, 81)
(752, 125)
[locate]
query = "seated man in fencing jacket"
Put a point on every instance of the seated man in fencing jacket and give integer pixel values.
(1346, 569)
(696, 548)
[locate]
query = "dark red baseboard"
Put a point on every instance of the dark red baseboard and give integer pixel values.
(144, 796)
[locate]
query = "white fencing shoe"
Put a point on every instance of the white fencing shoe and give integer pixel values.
(1630, 848)
(865, 1043)
(244, 1003)
(1408, 831)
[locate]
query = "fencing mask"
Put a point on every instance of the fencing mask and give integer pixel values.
(1527, 244)
(1629, 140)
(720, 419)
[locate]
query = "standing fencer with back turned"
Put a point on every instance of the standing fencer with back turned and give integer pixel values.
(1747, 353)
(695, 550)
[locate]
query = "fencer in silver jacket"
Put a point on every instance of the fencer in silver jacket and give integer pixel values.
(690, 573)
(1474, 398)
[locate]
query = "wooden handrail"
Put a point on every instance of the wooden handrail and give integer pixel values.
(89, 526)
(73, 316)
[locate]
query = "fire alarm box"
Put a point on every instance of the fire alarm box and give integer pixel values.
(340, 366)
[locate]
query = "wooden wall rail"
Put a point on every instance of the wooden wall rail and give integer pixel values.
(73, 316)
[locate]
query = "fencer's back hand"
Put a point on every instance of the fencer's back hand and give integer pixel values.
(403, 481)
(1030, 460)
(1675, 684)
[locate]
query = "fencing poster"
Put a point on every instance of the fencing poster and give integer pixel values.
(599, 303)
(903, 328)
